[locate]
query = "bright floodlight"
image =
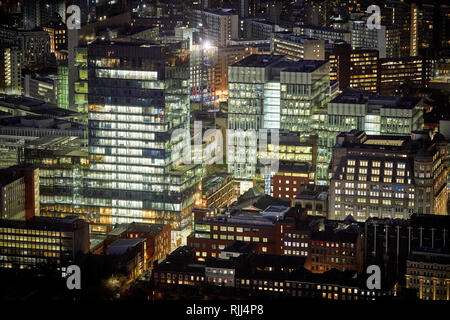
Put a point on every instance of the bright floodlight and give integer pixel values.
(207, 45)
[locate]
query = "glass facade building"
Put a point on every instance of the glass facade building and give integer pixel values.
(63, 85)
(270, 92)
(63, 163)
(138, 95)
(80, 89)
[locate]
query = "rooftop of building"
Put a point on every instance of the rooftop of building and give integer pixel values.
(7, 178)
(430, 255)
(43, 121)
(353, 96)
(277, 261)
(335, 235)
(261, 21)
(181, 259)
(215, 180)
(291, 138)
(256, 198)
(68, 223)
(241, 247)
(37, 29)
(11, 174)
(312, 195)
(327, 29)
(293, 37)
(258, 61)
(275, 211)
(399, 59)
(419, 143)
(221, 12)
(56, 24)
(125, 42)
(294, 167)
(35, 106)
(121, 246)
(71, 146)
(278, 62)
(306, 66)
(152, 229)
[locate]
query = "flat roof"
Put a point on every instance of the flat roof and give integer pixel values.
(120, 246)
(307, 26)
(221, 12)
(258, 60)
(300, 65)
(353, 96)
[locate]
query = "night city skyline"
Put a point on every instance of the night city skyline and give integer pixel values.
(215, 151)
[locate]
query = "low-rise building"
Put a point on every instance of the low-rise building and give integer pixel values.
(314, 201)
(157, 239)
(258, 275)
(275, 230)
(428, 272)
(337, 246)
(129, 257)
(218, 191)
(42, 242)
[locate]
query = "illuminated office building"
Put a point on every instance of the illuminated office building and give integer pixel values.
(296, 47)
(363, 70)
(63, 164)
(275, 230)
(428, 272)
(323, 33)
(56, 29)
(34, 44)
(356, 69)
(12, 197)
(218, 191)
(42, 242)
(259, 28)
(138, 95)
(10, 70)
(216, 26)
(374, 114)
(366, 111)
(393, 73)
(43, 87)
(63, 85)
(298, 160)
(318, 12)
(19, 192)
(202, 74)
(428, 25)
(387, 176)
(226, 56)
(393, 42)
(269, 92)
(340, 64)
(365, 38)
(80, 86)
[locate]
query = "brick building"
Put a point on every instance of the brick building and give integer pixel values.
(336, 247)
(275, 230)
(157, 239)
